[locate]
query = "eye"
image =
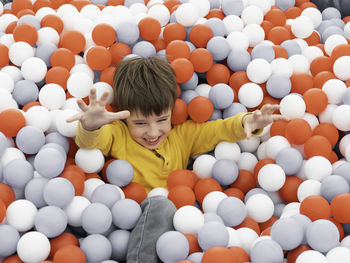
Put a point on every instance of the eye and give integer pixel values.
(139, 123)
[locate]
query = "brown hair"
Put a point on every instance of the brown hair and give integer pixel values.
(147, 85)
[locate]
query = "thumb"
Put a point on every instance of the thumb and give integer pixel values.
(120, 115)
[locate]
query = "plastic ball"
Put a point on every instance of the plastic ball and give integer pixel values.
(25, 91)
(7, 80)
(232, 7)
(30, 139)
(187, 14)
(247, 236)
(287, 232)
(312, 255)
(8, 240)
(222, 254)
(69, 253)
(21, 214)
(255, 72)
(217, 26)
(339, 208)
(91, 161)
(292, 106)
(51, 221)
(19, 52)
(212, 234)
(203, 165)
(79, 84)
(225, 171)
(221, 95)
(211, 201)
(232, 210)
(96, 248)
(245, 98)
(33, 191)
(38, 116)
(75, 209)
(263, 51)
(36, 75)
(338, 254)
(333, 185)
(172, 246)
(96, 218)
(290, 160)
(120, 172)
(106, 194)
(266, 250)
(33, 247)
(158, 191)
(260, 207)
(18, 173)
(302, 27)
(119, 240)
(238, 59)
(188, 220)
(52, 96)
(237, 39)
(317, 167)
(126, 213)
(299, 63)
(58, 192)
(49, 162)
(255, 34)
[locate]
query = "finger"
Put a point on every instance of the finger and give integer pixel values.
(257, 114)
(75, 117)
(277, 117)
(269, 108)
(92, 96)
(82, 105)
(247, 131)
(103, 99)
(121, 115)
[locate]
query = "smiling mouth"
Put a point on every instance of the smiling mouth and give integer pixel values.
(152, 141)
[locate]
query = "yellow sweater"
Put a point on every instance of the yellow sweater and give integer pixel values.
(151, 168)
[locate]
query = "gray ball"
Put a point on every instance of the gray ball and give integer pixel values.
(285, 4)
(221, 95)
(49, 162)
(56, 137)
(277, 212)
(51, 221)
(219, 48)
(344, 171)
(144, 49)
(129, 3)
(30, 139)
(17, 173)
(225, 171)
(172, 18)
(127, 32)
(59, 192)
(3, 143)
(215, 4)
(263, 51)
(346, 97)
(217, 26)
(266, 251)
(126, 212)
(172, 246)
(232, 7)
(232, 110)
(238, 59)
(191, 46)
(254, 191)
(287, 233)
(106, 194)
(9, 237)
(322, 235)
(196, 257)
(99, 2)
(340, 23)
(324, 25)
(29, 19)
(56, 146)
(332, 30)
(333, 185)
(217, 114)
(292, 47)
(120, 172)
(212, 217)
(119, 240)
(330, 12)
(96, 248)
(290, 160)
(25, 91)
(213, 234)
(34, 191)
(278, 86)
(96, 218)
(191, 84)
(44, 51)
(232, 211)
(188, 95)
(303, 221)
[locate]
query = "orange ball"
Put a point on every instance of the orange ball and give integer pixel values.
(62, 57)
(193, 242)
(181, 195)
(239, 254)
(159, 44)
(339, 51)
(181, 177)
(103, 35)
(276, 16)
(218, 73)
(280, 52)
(76, 179)
(278, 128)
(4, 55)
(73, 40)
(174, 31)
(320, 64)
(13, 259)
(40, 4)
(18, 5)
(316, 100)
(215, 13)
(301, 82)
(289, 190)
(235, 192)
(322, 77)
(58, 75)
(63, 240)
(200, 34)
(149, 28)
(183, 69)
(294, 254)
(11, 121)
(245, 181)
(328, 130)
(218, 254)
(205, 186)
(340, 208)
(26, 33)
(250, 223)
(98, 58)
(278, 34)
(201, 59)
(237, 79)
(107, 75)
(180, 113)
(69, 254)
(135, 191)
(292, 12)
(317, 145)
(177, 49)
(30, 104)
(200, 109)
(2, 210)
(267, 26)
(53, 21)
(313, 39)
(267, 224)
(118, 51)
(298, 131)
(315, 207)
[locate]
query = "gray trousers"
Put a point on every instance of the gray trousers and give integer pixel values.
(156, 219)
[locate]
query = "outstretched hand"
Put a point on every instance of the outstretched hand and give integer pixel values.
(95, 115)
(260, 118)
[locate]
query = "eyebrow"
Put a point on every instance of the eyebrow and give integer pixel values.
(160, 117)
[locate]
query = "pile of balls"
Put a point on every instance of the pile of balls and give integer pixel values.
(282, 196)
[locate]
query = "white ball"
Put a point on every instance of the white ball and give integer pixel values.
(336, 164)
(19, 52)
(260, 207)
(33, 247)
(102, 87)
(246, 236)
(232, 23)
(335, 89)
(250, 95)
(52, 96)
(6, 81)
(282, 66)
(312, 52)
(314, 14)
(203, 165)
(138, 8)
(21, 214)
(79, 84)
(91, 161)
(44, 11)
(255, 34)
(307, 188)
(38, 116)
(247, 161)
(338, 255)
(345, 242)
(188, 220)
(84, 25)
(252, 15)
(211, 201)
(261, 151)
(249, 145)
(292, 106)
(311, 119)
(159, 12)
(302, 27)
(82, 67)
(75, 209)
(317, 167)
(72, 104)
(90, 185)
(265, 6)
(34, 69)
(227, 150)
(299, 63)
(275, 144)
(158, 191)
(271, 177)
(347, 30)
(203, 6)
(302, 43)
(10, 154)
(63, 127)
(311, 256)
(14, 72)
(203, 90)
(90, 11)
(7, 40)
(187, 14)
(343, 144)
(332, 42)
(237, 39)
(340, 117)
(48, 34)
(259, 70)
(6, 19)
(327, 114)
(340, 67)
(234, 239)
(290, 209)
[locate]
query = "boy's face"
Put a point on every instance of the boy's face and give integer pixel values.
(149, 131)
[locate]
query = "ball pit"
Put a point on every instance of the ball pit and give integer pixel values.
(279, 197)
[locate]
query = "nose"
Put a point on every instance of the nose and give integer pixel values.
(152, 131)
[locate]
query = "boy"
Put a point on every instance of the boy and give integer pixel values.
(141, 132)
